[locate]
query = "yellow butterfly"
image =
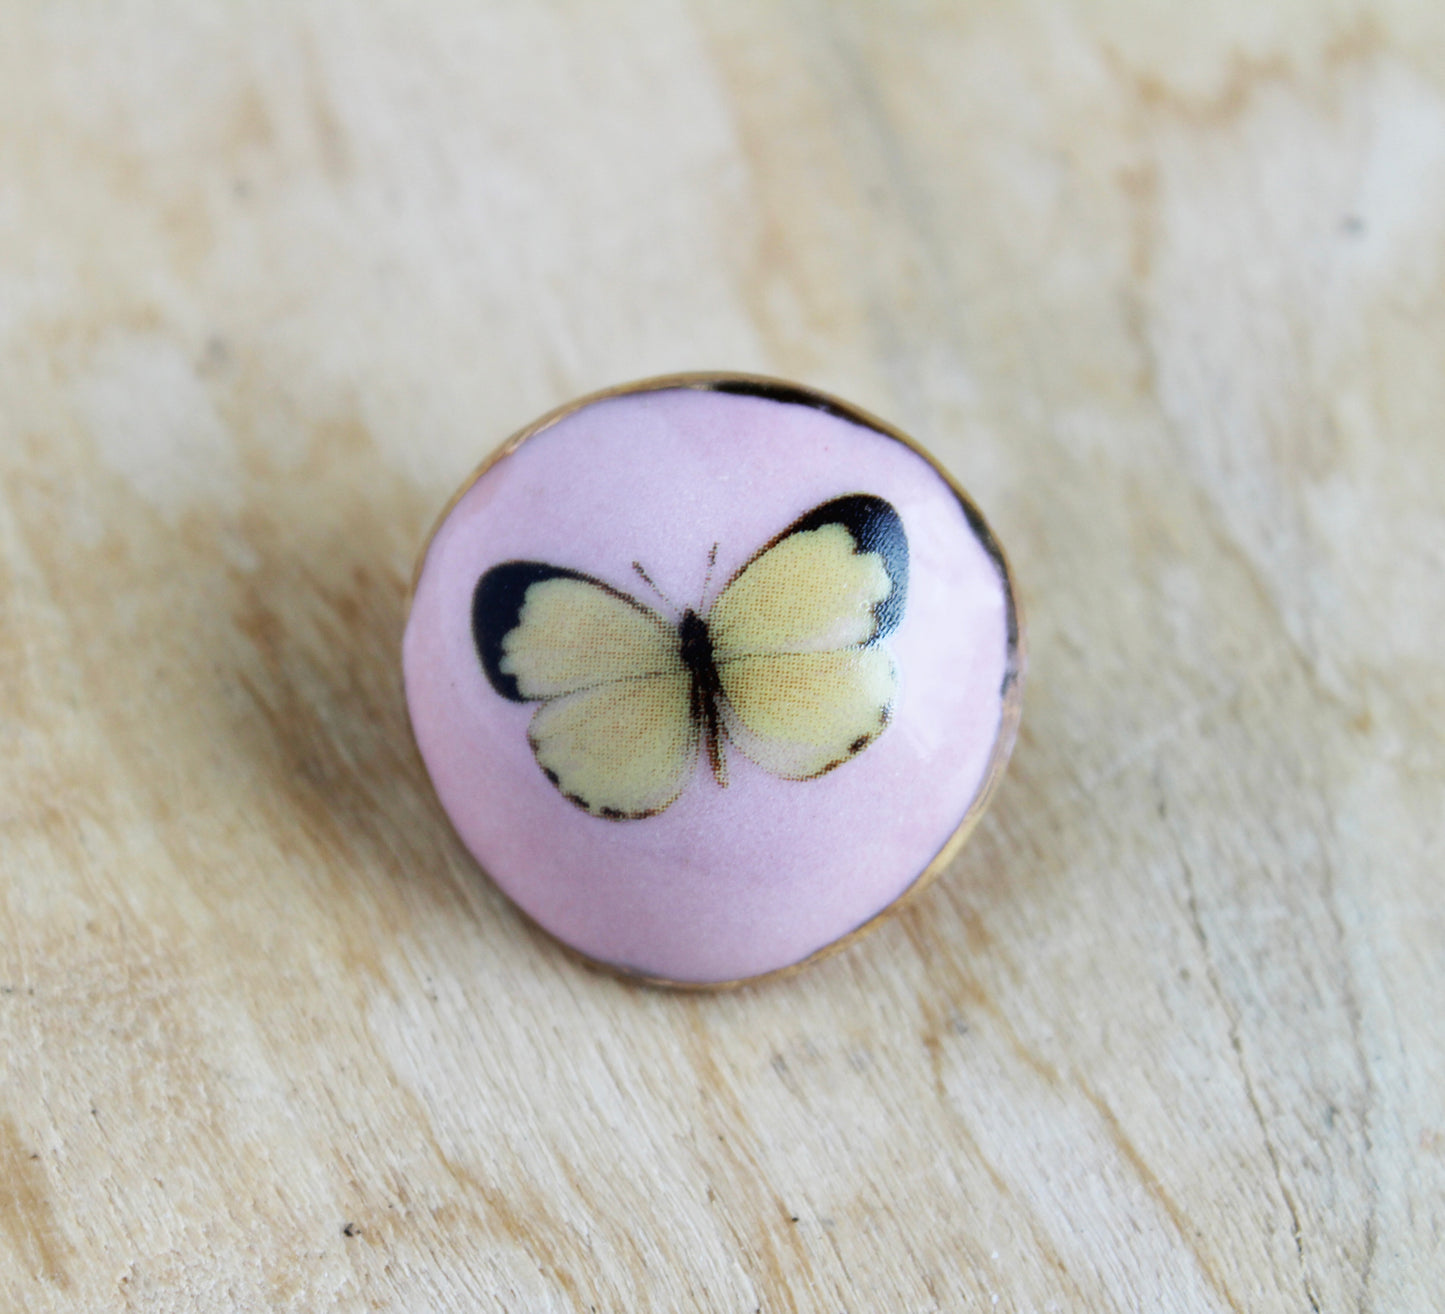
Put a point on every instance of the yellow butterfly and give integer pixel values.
(787, 665)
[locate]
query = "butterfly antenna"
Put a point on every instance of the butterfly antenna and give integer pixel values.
(647, 579)
(707, 583)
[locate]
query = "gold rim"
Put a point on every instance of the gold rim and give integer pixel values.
(1011, 709)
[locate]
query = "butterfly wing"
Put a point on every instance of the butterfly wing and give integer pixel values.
(796, 638)
(622, 750)
(616, 731)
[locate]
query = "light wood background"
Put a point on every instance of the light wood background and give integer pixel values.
(1164, 285)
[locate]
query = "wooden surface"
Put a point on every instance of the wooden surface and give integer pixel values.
(1163, 285)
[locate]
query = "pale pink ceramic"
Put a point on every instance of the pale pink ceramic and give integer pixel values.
(728, 883)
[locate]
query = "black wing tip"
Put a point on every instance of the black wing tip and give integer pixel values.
(497, 605)
(875, 526)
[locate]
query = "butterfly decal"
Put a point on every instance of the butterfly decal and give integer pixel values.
(787, 666)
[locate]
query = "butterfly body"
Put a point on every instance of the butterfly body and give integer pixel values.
(695, 649)
(787, 665)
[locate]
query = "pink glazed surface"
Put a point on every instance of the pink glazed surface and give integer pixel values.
(725, 883)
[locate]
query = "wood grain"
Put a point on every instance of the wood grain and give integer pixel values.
(1164, 286)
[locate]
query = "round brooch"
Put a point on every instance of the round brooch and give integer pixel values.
(710, 672)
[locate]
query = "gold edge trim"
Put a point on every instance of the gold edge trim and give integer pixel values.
(1015, 663)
